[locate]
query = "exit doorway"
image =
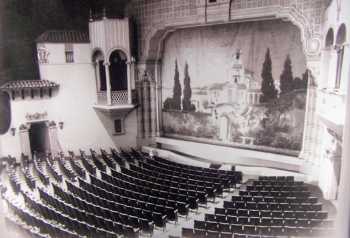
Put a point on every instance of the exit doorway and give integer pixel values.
(39, 138)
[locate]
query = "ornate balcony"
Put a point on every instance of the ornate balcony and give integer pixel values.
(121, 104)
(331, 109)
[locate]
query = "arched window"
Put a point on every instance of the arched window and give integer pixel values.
(340, 40)
(329, 38)
(341, 35)
(118, 71)
(100, 72)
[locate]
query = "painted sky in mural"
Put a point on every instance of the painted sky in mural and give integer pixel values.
(240, 84)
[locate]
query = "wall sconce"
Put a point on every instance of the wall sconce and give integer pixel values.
(13, 131)
(60, 124)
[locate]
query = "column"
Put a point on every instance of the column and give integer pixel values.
(146, 103)
(24, 140)
(153, 107)
(139, 111)
(158, 98)
(97, 73)
(129, 81)
(108, 84)
(55, 146)
(343, 216)
(312, 136)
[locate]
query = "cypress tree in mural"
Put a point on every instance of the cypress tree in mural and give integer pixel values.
(176, 102)
(267, 85)
(186, 101)
(305, 79)
(286, 79)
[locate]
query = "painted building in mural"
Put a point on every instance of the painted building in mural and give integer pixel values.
(228, 89)
(97, 91)
(241, 88)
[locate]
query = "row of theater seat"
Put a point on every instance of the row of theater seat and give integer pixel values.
(200, 192)
(198, 233)
(280, 183)
(63, 165)
(226, 179)
(187, 169)
(178, 201)
(270, 199)
(166, 212)
(77, 168)
(28, 178)
(36, 225)
(272, 213)
(107, 203)
(75, 226)
(295, 213)
(107, 218)
(191, 196)
(285, 188)
(122, 181)
(248, 231)
(195, 169)
(280, 207)
(298, 194)
(78, 226)
(267, 221)
(208, 182)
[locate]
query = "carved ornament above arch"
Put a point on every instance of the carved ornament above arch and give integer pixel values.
(310, 37)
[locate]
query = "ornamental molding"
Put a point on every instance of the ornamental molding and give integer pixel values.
(23, 127)
(43, 55)
(310, 38)
(36, 116)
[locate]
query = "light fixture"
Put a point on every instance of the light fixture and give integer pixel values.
(60, 124)
(13, 131)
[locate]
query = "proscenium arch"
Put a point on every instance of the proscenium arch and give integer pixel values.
(311, 45)
(156, 35)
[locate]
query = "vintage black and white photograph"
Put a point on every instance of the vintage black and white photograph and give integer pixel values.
(174, 118)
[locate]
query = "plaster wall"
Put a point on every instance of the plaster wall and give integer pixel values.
(72, 104)
(331, 108)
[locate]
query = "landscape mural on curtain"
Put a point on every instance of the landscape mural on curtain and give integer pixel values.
(240, 84)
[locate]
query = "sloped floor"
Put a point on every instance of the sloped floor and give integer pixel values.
(8, 229)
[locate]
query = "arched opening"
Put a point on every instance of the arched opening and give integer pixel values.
(340, 40)
(118, 71)
(341, 35)
(39, 138)
(5, 109)
(329, 38)
(100, 72)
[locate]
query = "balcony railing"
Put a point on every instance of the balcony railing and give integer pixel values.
(119, 97)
